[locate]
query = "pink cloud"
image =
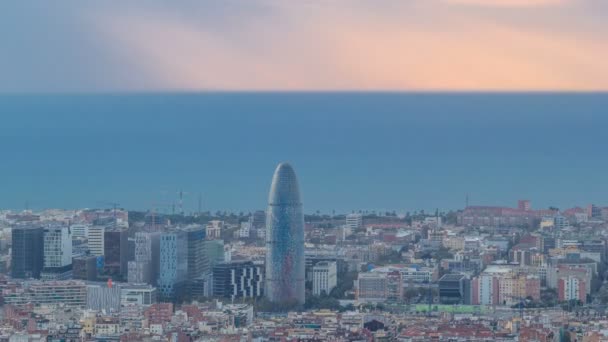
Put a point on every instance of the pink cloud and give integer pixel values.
(509, 3)
(324, 47)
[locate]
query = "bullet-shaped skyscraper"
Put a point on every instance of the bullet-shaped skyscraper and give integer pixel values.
(284, 239)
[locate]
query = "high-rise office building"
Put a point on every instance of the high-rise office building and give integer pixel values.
(115, 245)
(27, 255)
(214, 251)
(238, 279)
(173, 264)
(197, 258)
(95, 235)
(144, 268)
(285, 239)
(57, 253)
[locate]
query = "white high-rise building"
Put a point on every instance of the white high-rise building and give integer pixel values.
(57, 252)
(324, 277)
(486, 290)
(95, 238)
(354, 221)
(79, 230)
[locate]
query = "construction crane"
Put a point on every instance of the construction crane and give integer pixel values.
(154, 211)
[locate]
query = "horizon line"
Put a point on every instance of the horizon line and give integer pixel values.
(306, 91)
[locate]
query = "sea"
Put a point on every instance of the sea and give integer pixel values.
(351, 150)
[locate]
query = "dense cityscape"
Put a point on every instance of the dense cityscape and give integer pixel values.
(480, 273)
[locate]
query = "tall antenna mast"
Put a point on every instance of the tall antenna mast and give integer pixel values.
(200, 203)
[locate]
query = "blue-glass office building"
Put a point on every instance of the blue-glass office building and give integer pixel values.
(284, 239)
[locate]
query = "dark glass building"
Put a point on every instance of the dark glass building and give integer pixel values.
(455, 289)
(84, 267)
(27, 256)
(198, 264)
(115, 250)
(238, 279)
(285, 271)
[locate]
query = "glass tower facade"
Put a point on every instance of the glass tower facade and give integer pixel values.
(284, 239)
(27, 252)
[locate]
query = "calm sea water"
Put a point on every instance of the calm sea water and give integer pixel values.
(350, 150)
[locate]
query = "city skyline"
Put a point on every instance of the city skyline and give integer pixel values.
(450, 185)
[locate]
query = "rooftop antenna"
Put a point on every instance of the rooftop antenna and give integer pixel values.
(181, 201)
(437, 218)
(466, 201)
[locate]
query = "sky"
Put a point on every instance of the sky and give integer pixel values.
(259, 45)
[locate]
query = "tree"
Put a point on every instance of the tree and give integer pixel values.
(451, 217)
(321, 302)
(345, 283)
(410, 293)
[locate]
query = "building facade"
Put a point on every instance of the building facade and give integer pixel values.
(95, 235)
(371, 287)
(354, 222)
(173, 264)
(68, 293)
(242, 279)
(285, 273)
(144, 268)
(57, 253)
(198, 264)
(115, 253)
(27, 255)
(324, 277)
(84, 268)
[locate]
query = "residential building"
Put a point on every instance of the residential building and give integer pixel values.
(354, 222)
(572, 288)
